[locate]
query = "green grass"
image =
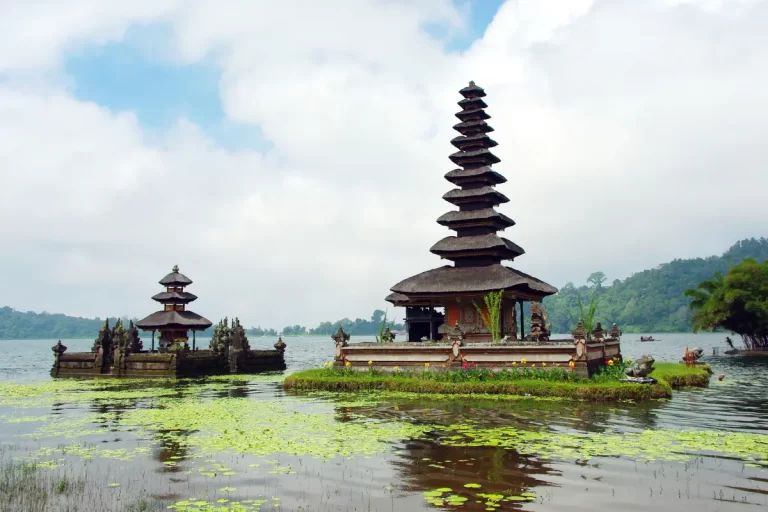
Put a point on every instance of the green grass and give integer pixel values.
(680, 376)
(603, 388)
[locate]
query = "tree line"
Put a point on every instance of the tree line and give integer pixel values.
(358, 326)
(18, 325)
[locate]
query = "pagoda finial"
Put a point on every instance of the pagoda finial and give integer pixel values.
(175, 269)
(471, 83)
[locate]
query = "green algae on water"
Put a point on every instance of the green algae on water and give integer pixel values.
(649, 445)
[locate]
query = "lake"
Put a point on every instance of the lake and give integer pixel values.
(243, 443)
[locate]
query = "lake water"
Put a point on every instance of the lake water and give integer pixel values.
(243, 443)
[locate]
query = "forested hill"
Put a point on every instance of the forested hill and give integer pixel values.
(17, 325)
(652, 300)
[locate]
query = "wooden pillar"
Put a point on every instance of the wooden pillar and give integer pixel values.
(431, 323)
(193, 339)
(153, 341)
(522, 321)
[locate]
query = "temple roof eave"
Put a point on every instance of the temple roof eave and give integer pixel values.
(174, 320)
(480, 194)
(174, 297)
(488, 242)
(468, 216)
(478, 174)
(468, 280)
(175, 279)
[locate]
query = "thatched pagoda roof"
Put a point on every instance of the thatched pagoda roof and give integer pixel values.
(479, 155)
(471, 195)
(175, 278)
(470, 280)
(472, 103)
(457, 218)
(174, 297)
(506, 249)
(463, 142)
(174, 320)
(398, 299)
(476, 175)
(472, 91)
(473, 126)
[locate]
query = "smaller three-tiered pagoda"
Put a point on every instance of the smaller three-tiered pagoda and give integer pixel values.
(174, 321)
(117, 353)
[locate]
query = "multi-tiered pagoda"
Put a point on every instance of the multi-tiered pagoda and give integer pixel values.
(476, 251)
(174, 321)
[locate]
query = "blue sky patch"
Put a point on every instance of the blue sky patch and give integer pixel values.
(134, 74)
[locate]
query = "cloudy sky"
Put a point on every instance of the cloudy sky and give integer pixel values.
(289, 156)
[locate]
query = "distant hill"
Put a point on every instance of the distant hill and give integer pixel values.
(651, 300)
(16, 325)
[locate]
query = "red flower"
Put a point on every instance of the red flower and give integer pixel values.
(464, 365)
(473, 364)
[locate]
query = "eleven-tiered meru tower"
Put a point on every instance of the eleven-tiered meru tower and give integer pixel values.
(477, 250)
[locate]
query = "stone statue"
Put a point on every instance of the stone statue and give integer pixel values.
(340, 340)
(340, 336)
(454, 334)
(103, 347)
(539, 331)
(579, 333)
(119, 345)
(239, 341)
(614, 333)
(597, 333)
(119, 338)
(280, 344)
(103, 338)
(58, 349)
(134, 340)
(641, 367)
(238, 344)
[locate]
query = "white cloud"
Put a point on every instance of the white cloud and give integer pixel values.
(631, 133)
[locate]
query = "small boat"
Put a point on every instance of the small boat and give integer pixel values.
(649, 338)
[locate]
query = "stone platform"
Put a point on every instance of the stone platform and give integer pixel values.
(453, 354)
(154, 364)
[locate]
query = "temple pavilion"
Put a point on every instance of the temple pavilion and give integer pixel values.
(174, 321)
(476, 251)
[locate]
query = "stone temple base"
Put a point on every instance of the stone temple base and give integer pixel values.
(181, 364)
(587, 356)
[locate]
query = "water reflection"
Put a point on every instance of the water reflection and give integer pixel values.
(525, 414)
(170, 450)
(428, 464)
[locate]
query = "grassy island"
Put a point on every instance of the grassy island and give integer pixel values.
(513, 382)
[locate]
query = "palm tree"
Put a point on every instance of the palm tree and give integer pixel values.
(706, 302)
(736, 302)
